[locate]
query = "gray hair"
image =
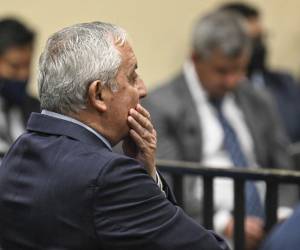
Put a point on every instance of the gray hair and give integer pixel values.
(223, 30)
(73, 58)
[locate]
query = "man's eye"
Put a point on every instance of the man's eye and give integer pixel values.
(133, 78)
(222, 71)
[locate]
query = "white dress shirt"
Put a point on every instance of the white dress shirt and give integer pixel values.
(11, 126)
(213, 153)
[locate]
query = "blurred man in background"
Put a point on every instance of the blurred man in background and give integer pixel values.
(281, 86)
(210, 114)
(16, 49)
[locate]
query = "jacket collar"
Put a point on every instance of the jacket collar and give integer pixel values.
(42, 123)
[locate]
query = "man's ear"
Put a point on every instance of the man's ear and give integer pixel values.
(1, 64)
(95, 92)
(195, 57)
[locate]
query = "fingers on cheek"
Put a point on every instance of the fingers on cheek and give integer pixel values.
(143, 132)
(142, 116)
(144, 122)
(134, 124)
(130, 119)
(140, 108)
(136, 137)
(139, 118)
(133, 133)
(143, 111)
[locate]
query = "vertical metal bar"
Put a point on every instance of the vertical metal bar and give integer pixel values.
(271, 204)
(207, 204)
(178, 188)
(239, 214)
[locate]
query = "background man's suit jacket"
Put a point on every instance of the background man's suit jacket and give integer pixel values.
(175, 117)
(286, 94)
(62, 188)
(286, 235)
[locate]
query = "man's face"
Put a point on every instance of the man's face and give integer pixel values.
(131, 89)
(255, 27)
(220, 74)
(15, 63)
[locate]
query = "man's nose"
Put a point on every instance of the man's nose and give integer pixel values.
(232, 79)
(142, 89)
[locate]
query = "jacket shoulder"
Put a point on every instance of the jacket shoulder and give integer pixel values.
(167, 97)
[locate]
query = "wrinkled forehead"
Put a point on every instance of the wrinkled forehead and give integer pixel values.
(127, 54)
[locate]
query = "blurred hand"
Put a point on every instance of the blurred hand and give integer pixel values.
(141, 141)
(254, 231)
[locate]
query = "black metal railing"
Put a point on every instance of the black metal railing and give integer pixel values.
(272, 178)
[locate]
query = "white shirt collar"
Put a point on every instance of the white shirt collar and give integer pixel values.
(193, 83)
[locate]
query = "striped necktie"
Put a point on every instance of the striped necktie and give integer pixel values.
(232, 145)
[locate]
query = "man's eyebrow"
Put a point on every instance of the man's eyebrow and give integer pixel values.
(133, 68)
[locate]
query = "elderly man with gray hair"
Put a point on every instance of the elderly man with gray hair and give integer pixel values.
(209, 114)
(61, 186)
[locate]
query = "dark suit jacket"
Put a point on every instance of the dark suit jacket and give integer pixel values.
(175, 118)
(286, 94)
(285, 236)
(62, 188)
(31, 104)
